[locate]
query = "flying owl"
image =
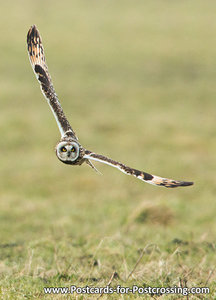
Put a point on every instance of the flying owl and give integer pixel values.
(68, 149)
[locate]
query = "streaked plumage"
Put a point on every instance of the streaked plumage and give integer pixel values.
(68, 149)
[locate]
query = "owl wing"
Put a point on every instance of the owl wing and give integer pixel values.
(152, 179)
(38, 63)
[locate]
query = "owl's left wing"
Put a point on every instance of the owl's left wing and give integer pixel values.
(152, 179)
(39, 66)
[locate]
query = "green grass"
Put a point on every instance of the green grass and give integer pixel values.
(137, 82)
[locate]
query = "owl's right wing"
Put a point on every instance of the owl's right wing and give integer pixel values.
(39, 66)
(146, 177)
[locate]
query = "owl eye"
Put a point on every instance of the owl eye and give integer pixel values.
(63, 149)
(73, 149)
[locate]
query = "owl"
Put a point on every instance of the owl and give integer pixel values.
(68, 149)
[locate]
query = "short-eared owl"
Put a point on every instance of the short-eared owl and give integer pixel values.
(68, 149)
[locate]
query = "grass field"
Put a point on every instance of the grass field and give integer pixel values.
(137, 82)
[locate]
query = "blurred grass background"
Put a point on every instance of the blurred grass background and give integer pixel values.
(136, 80)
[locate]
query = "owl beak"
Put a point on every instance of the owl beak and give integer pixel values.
(68, 154)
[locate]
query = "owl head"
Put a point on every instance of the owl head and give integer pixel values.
(69, 152)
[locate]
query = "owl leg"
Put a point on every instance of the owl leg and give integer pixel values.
(90, 164)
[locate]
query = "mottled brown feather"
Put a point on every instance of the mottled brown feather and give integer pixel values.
(38, 62)
(149, 178)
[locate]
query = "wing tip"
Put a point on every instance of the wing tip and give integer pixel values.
(32, 33)
(35, 47)
(175, 184)
(187, 183)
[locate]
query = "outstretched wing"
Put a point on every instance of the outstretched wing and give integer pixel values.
(38, 63)
(152, 179)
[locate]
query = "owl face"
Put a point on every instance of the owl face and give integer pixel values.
(68, 152)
